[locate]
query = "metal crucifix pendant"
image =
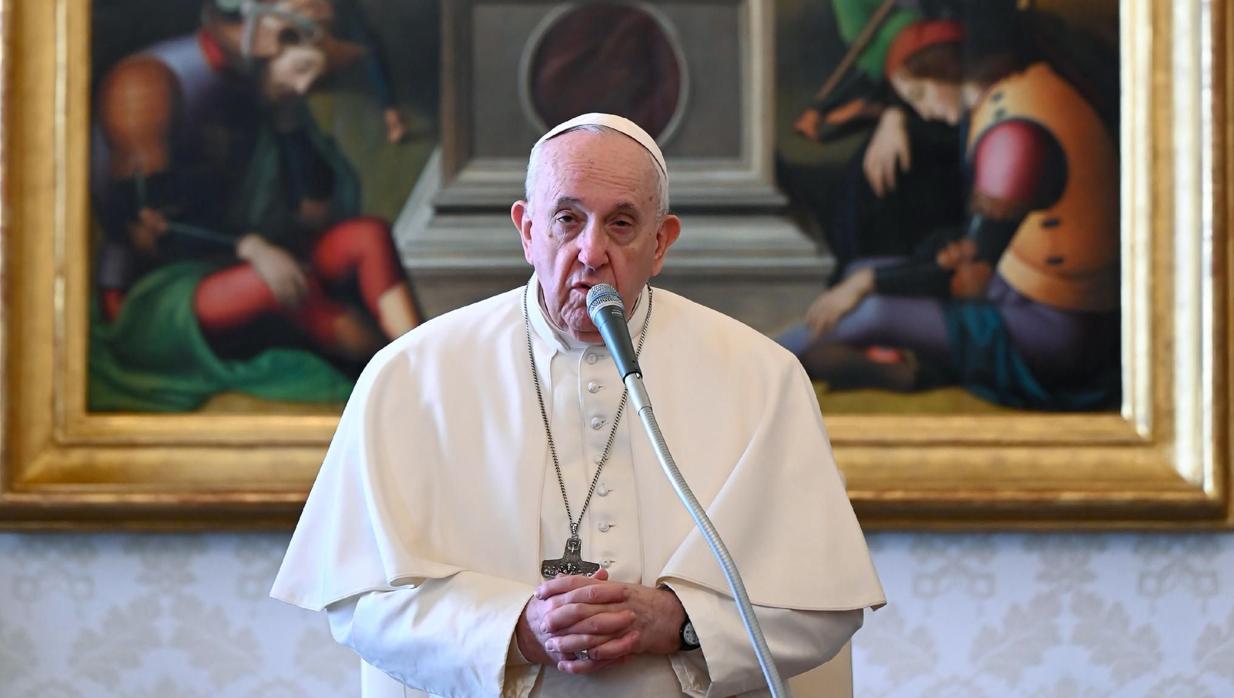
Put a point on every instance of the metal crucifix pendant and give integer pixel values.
(570, 562)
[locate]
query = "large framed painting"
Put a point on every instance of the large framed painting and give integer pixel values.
(995, 233)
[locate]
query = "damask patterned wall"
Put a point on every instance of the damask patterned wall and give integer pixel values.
(974, 615)
(1051, 617)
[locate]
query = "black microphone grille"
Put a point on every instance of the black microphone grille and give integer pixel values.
(602, 295)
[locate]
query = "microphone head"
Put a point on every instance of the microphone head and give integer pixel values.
(608, 314)
(603, 296)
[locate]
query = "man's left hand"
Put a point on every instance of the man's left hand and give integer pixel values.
(653, 617)
(971, 279)
(838, 301)
(956, 253)
(537, 644)
(396, 128)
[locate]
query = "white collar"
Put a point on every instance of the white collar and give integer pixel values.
(558, 338)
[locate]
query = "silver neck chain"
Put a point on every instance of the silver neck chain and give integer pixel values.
(548, 433)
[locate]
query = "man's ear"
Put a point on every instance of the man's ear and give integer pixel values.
(666, 235)
(520, 214)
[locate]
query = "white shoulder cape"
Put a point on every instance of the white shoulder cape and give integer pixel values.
(438, 465)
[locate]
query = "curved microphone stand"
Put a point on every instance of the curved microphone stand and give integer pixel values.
(638, 398)
(607, 312)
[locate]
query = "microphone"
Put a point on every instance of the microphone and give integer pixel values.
(608, 314)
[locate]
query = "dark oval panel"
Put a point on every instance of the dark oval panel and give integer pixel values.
(606, 57)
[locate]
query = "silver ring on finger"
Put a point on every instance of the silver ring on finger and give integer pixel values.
(582, 656)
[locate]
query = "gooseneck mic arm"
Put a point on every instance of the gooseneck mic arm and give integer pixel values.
(607, 313)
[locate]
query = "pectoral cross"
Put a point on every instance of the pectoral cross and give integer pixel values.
(570, 562)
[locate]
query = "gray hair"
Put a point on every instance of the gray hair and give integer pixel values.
(533, 166)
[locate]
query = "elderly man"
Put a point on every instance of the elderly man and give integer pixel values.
(481, 444)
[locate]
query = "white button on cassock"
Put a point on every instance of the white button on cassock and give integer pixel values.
(592, 358)
(593, 387)
(597, 422)
(604, 526)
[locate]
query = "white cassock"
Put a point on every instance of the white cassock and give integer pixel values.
(424, 532)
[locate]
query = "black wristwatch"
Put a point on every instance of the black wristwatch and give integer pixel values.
(689, 638)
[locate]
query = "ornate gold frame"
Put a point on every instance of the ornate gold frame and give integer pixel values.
(1163, 462)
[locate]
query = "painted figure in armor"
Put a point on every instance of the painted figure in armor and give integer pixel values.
(1022, 307)
(233, 255)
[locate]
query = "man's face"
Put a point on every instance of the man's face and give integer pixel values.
(292, 73)
(933, 100)
(593, 219)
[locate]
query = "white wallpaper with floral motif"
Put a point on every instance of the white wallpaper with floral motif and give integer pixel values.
(1059, 616)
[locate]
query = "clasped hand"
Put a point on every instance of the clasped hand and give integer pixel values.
(611, 620)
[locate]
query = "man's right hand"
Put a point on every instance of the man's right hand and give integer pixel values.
(808, 123)
(888, 152)
(540, 646)
(145, 232)
(276, 267)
